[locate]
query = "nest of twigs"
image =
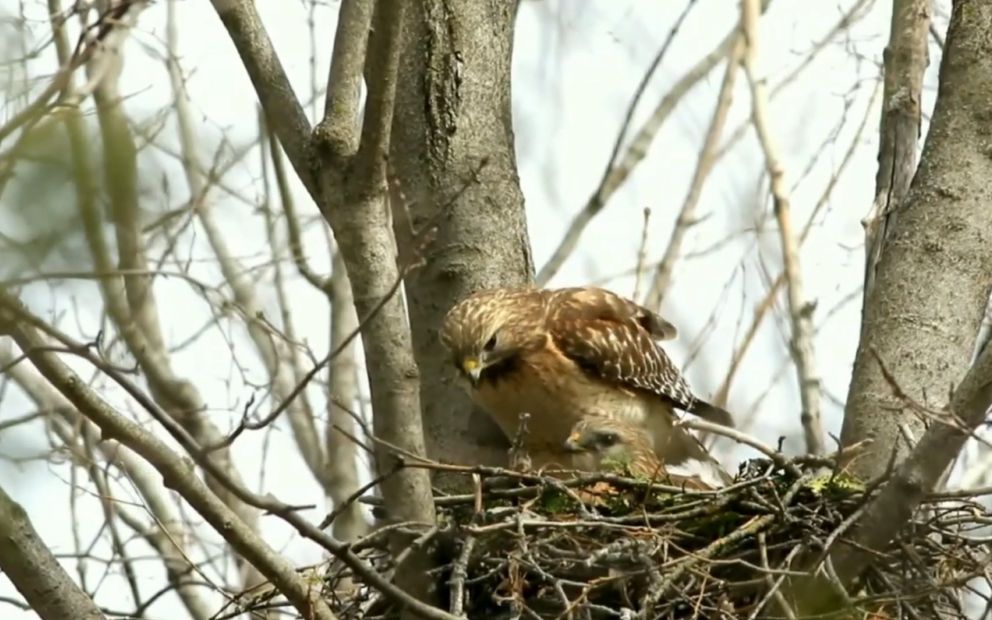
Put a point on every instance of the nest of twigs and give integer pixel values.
(525, 546)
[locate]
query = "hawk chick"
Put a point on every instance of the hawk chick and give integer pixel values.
(600, 444)
(564, 354)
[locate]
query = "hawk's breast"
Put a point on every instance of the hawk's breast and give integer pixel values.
(556, 393)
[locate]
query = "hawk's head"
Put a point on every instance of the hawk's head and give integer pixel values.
(600, 443)
(604, 436)
(486, 331)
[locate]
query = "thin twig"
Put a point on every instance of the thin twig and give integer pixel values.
(642, 251)
(742, 438)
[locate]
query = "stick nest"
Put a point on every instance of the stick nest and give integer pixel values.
(526, 546)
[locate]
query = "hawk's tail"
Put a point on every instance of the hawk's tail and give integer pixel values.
(704, 467)
(712, 413)
(687, 453)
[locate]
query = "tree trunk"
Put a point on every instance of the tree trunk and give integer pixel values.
(453, 156)
(932, 282)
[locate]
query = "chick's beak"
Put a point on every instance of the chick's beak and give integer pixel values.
(472, 368)
(572, 443)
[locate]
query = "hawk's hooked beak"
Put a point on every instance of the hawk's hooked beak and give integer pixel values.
(473, 368)
(572, 443)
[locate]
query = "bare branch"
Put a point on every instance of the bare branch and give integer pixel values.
(617, 169)
(131, 303)
(176, 472)
(766, 304)
(382, 63)
(271, 348)
(35, 571)
(847, 20)
(292, 216)
(105, 31)
(339, 127)
(340, 473)
(283, 110)
(342, 387)
(741, 438)
(704, 164)
(800, 312)
(23, 327)
(169, 538)
(642, 251)
(120, 159)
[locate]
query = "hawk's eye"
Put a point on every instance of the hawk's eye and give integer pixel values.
(490, 344)
(608, 439)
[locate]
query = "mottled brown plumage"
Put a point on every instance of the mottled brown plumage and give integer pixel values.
(561, 355)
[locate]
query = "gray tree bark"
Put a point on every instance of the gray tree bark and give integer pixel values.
(35, 572)
(342, 379)
(924, 309)
(905, 62)
(453, 155)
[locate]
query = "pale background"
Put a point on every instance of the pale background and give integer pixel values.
(576, 67)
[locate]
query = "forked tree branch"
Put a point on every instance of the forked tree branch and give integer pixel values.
(358, 213)
(351, 192)
(283, 110)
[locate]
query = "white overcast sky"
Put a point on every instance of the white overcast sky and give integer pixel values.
(576, 67)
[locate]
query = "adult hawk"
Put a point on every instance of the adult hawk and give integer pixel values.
(560, 355)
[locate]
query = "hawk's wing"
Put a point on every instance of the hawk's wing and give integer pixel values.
(613, 338)
(590, 302)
